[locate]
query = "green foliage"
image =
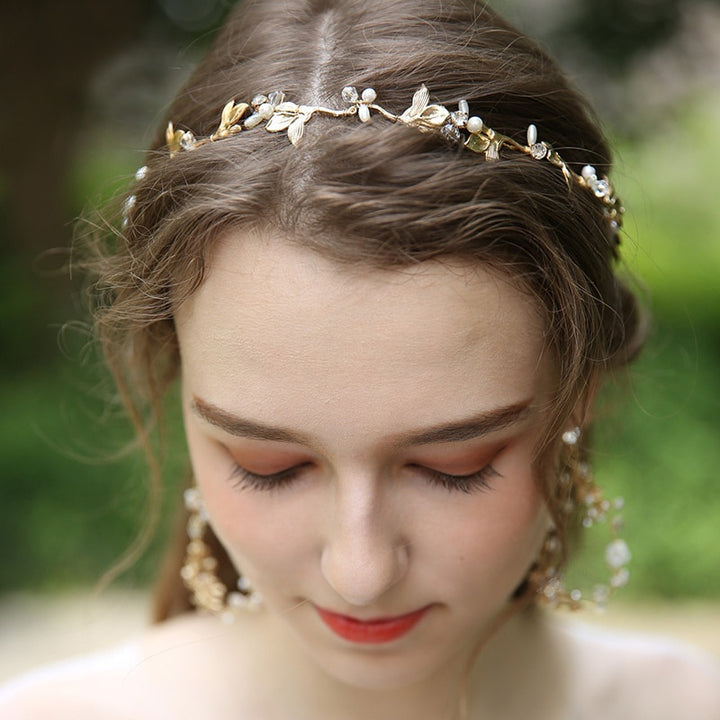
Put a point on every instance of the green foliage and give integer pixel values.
(673, 221)
(658, 445)
(74, 486)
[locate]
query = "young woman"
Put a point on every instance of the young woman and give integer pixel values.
(376, 247)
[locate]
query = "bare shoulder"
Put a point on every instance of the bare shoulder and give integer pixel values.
(75, 689)
(143, 678)
(620, 675)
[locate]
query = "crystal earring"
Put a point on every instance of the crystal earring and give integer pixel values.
(577, 481)
(198, 572)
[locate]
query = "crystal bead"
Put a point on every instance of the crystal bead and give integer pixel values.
(575, 595)
(258, 100)
(587, 522)
(570, 437)
(552, 544)
(276, 97)
(617, 554)
(458, 119)
(187, 141)
(474, 125)
(243, 584)
(141, 173)
(192, 499)
(602, 189)
(350, 94)
(451, 132)
(236, 600)
(620, 578)
(464, 108)
(539, 151)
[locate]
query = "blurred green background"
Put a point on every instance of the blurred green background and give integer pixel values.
(83, 86)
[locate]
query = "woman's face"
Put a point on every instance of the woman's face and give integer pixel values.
(363, 442)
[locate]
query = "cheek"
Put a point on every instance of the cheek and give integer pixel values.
(264, 538)
(485, 546)
(256, 528)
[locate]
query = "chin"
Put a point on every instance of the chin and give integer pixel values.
(385, 670)
(410, 661)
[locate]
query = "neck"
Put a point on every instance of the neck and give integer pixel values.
(497, 666)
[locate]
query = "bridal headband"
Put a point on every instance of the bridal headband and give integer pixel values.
(276, 114)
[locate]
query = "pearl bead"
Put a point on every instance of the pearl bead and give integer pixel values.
(474, 124)
(531, 135)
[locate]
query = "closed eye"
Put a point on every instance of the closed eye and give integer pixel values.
(478, 480)
(242, 478)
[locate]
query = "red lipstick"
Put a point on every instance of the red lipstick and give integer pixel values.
(376, 631)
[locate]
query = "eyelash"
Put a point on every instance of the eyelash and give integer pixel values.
(479, 480)
(243, 479)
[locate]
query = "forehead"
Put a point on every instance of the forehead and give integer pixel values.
(277, 328)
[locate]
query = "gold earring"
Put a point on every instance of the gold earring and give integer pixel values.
(576, 478)
(208, 592)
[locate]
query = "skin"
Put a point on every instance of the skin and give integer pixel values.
(351, 371)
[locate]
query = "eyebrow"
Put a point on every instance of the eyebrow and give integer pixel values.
(468, 429)
(471, 428)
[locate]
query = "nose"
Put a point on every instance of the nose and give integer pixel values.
(365, 553)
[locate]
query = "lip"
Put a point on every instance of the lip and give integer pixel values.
(376, 631)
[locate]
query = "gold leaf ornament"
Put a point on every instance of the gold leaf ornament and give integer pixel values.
(421, 114)
(231, 114)
(478, 143)
(173, 139)
(284, 114)
(419, 103)
(296, 129)
(291, 117)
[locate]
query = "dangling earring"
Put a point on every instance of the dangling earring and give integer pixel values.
(198, 572)
(579, 488)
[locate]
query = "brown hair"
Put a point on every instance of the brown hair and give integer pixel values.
(377, 194)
